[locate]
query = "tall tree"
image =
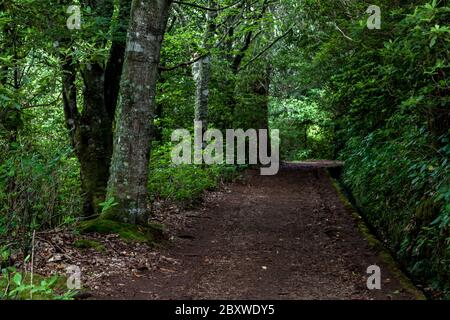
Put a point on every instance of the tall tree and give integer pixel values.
(202, 68)
(238, 48)
(91, 129)
(129, 166)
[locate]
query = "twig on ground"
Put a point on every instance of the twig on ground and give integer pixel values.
(32, 264)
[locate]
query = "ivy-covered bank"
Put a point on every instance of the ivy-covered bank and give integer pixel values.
(391, 103)
(377, 99)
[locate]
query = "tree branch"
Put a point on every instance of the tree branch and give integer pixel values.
(266, 49)
(339, 29)
(184, 64)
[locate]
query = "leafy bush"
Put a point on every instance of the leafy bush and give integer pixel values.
(306, 130)
(39, 177)
(16, 286)
(395, 133)
(36, 190)
(183, 183)
(404, 194)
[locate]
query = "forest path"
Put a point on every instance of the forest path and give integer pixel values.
(287, 236)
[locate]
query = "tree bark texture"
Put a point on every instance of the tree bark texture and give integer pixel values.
(129, 166)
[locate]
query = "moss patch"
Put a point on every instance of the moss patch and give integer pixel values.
(89, 244)
(383, 253)
(151, 234)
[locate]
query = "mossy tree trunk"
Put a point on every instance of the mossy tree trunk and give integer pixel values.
(94, 139)
(129, 166)
(90, 132)
(91, 129)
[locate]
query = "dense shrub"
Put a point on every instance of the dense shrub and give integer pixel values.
(306, 130)
(37, 190)
(403, 190)
(184, 184)
(394, 131)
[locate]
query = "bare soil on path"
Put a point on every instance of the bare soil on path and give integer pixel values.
(287, 236)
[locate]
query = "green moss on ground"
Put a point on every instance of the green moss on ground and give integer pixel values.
(89, 244)
(151, 234)
(383, 253)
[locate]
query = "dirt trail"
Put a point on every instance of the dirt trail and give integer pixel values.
(270, 237)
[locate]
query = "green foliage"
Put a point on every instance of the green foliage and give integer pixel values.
(15, 285)
(306, 130)
(39, 177)
(36, 192)
(108, 204)
(388, 91)
(404, 193)
(184, 184)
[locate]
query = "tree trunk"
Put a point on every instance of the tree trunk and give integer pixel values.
(202, 70)
(129, 166)
(94, 139)
(261, 89)
(91, 131)
(202, 74)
